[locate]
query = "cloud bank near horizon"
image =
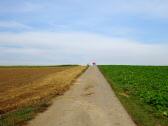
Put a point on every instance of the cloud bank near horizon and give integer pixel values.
(77, 48)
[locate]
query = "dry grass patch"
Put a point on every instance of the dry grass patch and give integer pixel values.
(21, 87)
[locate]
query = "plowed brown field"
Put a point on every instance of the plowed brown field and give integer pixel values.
(25, 86)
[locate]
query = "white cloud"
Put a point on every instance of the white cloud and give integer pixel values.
(58, 48)
(13, 25)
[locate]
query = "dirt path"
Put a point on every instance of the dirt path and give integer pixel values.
(89, 102)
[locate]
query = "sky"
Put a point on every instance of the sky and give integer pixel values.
(49, 32)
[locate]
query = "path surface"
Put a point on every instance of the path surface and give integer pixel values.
(89, 102)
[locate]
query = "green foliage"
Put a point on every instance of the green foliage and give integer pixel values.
(17, 117)
(21, 115)
(148, 84)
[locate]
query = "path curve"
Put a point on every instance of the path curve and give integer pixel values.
(89, 102)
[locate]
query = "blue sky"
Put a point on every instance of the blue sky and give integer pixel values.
(81, 31)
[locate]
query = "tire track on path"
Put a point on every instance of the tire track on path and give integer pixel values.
(89, 102)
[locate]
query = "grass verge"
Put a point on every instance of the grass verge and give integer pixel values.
(22, 115)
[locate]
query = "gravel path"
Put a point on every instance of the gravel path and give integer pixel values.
(89, 102)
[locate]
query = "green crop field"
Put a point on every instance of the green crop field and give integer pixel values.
(143, 90)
